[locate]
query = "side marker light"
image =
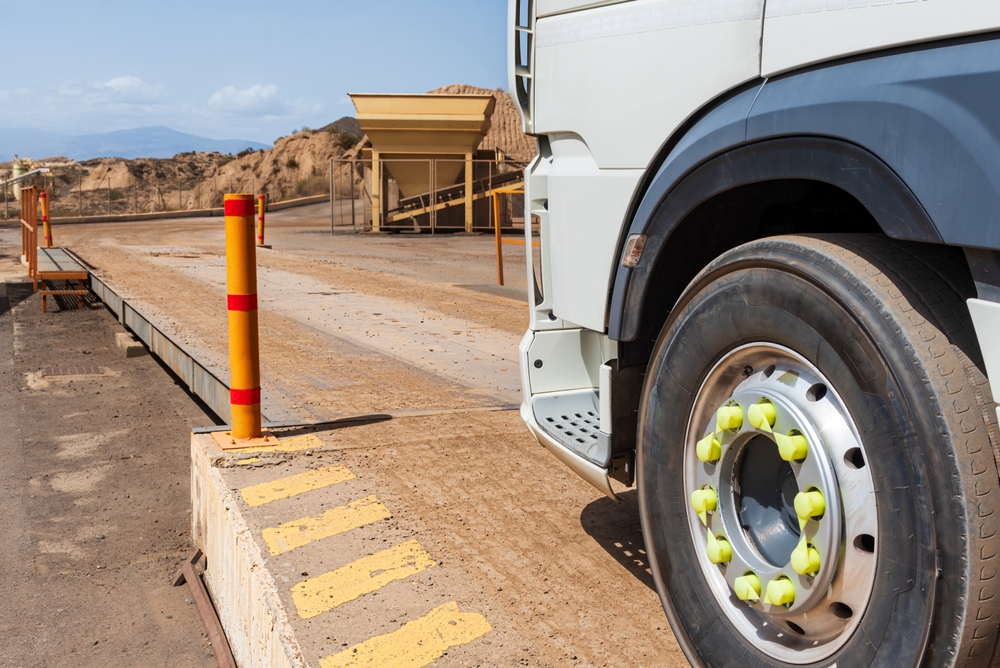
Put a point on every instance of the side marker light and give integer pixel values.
(634, 246)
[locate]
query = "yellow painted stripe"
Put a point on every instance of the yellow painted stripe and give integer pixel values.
(295, 444)
(297, 533)
(317, 595)
(244, 462)
(417, 643)
(293, 485)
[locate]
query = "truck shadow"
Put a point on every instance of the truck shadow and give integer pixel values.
(616, 528)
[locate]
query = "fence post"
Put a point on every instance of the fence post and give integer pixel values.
(244, 346)
(354, 220)
(261, 207)
(468, 192)
(333, 197)
(43, 198)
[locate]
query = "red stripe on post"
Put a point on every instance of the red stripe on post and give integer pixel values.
(244, 397)
(243, 302)
(239, 207)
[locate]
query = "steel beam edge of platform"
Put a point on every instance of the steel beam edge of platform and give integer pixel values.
(245, 595)
(200, 381)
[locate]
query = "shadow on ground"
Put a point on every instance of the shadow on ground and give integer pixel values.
(15, 294)
(616, 528)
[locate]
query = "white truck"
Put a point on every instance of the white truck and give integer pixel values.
(767, 293)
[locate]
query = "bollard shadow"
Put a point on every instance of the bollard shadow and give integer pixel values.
(616, 528)
(289, 430)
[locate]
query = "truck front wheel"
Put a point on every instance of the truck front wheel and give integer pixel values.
(816, 476)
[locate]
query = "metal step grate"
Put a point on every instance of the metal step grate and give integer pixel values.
(573, 419)
(579, 427)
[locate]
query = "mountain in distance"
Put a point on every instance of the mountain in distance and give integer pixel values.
(151, 142)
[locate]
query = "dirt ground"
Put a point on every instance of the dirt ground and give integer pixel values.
(94, 493)
(373, 323)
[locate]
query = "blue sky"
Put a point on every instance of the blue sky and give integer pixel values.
(248, 70)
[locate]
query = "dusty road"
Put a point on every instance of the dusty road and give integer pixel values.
(353, 324)
(94, 493)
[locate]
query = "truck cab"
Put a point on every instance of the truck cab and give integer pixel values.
(767, 294)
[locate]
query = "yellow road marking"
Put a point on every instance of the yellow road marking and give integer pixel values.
(325, 592)
(293, 485)
(244, 462)
(417, 643)
(295, 444)
(297, 533)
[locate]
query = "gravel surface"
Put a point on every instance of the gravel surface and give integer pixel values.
(94, 492)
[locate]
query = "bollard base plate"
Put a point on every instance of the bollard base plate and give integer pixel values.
(268, 246)
(227, 442)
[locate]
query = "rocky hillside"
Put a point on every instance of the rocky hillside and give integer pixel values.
(296, 166)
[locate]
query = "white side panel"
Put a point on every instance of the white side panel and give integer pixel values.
(802, 32)
(586, 209)
(986, 318)
(625, 76)
(570, 360)
(550, 7)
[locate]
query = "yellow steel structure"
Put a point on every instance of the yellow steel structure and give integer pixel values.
(244, 346)
(406, 130)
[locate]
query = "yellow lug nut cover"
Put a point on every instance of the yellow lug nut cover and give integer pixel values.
(809, 504)
(719, 549)
(792, 448)
(805, 559)
(780, 592)
(747, 587)
(709, 449)
(729, 417)
(762, 415)
(704, 501)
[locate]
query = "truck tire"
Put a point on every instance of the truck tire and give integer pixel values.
(816, 460)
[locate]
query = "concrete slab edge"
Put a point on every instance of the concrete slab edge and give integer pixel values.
(245, 595)
(200, 381)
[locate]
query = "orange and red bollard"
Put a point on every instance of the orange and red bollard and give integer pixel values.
(244, 346)
(261, 207)
(43, 199)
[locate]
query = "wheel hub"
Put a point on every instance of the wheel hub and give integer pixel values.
(779, 503)
(766, 501)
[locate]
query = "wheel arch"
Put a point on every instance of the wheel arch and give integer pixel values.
(915, 121)
(748, 193)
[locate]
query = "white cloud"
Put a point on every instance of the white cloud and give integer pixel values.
(80, 107)
(256, 101)
(131, 89)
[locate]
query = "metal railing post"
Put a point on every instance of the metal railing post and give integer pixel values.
(244, 345)
(376, 191)
(261, 207)
(43, 199)
(496, 226)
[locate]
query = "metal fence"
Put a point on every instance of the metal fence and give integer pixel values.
(425, 195)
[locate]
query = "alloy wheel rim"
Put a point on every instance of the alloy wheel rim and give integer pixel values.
(758, 409)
